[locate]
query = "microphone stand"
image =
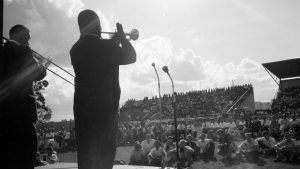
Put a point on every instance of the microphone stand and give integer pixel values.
(158, 83)
(166, 70)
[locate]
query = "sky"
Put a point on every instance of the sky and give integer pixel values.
(205, 43)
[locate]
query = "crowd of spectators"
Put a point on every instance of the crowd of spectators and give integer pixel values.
(193, 104)
(287, 98)
(275, 133)
(261, 135)
(51, 142)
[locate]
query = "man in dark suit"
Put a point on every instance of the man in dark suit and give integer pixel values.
(18, 113)
(97, 92)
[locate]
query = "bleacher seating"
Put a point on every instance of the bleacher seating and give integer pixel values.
(288, 98)
(193, 103)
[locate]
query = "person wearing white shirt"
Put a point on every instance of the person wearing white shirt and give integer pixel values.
(267, 144)
(216, 125)
(231, 128)
(156, 154)
(226, 124)
(232, 124)
(147, 144)
(203, 125)
(192, 126)
(212, 126)
(249, 148)
(262, 122)
(268, 122)
(222, 125)
(206, 146)
(283, 122)
(208, 124)
(189, 128)
(241, 124)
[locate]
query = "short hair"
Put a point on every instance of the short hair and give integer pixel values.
(248, 134)
(189, 136)
(265, 133)
(182, 141)
(157, 142)
(88, 21)
(202, 134)
(16, 30)
(220, 131)
(170, 138)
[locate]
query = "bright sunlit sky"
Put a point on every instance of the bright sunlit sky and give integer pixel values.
(205, 43)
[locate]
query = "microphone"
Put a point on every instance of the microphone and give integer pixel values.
(165, 69)
(158, 83)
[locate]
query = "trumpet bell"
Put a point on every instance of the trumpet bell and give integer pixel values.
(134, 34)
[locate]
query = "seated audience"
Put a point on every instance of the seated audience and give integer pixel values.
(52, 155)
(39, 161)
(226, 144)
(266, 144)
(137, 156)
(285, 149)
(185, 154)
(206, 147)
(147, 144)
(248, 148)
(169, 157)
(190, 142)
(156, 155)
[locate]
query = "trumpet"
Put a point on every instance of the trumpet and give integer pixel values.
(133, 35)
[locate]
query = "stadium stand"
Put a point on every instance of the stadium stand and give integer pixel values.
(288, 80)
(192, 104)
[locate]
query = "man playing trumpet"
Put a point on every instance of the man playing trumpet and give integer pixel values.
(97, 92)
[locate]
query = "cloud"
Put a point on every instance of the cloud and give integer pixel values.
(54, 29)
(189, 71)
(53, 24)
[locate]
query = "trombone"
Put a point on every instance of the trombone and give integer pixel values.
(45, 62)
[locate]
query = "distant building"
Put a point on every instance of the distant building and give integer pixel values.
(262, 105)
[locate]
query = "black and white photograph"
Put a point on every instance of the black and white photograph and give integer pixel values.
(150, 84)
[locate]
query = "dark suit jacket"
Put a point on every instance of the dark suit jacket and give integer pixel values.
(96, 64)
(17, 75)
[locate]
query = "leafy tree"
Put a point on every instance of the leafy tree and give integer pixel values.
(44, 112)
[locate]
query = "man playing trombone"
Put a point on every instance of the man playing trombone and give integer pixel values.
(18, 113)
(97, 92)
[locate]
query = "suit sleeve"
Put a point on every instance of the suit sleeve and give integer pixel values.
(122, 55)
(36, 73)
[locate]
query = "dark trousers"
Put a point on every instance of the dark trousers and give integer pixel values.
(96, 141)
(19, 144)
(209, 152)
(267, 151)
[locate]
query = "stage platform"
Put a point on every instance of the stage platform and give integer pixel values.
(74, 166)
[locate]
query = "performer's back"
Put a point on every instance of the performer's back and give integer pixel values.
(96, 100)
(97, 73)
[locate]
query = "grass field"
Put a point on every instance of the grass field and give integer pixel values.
(123, 153)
